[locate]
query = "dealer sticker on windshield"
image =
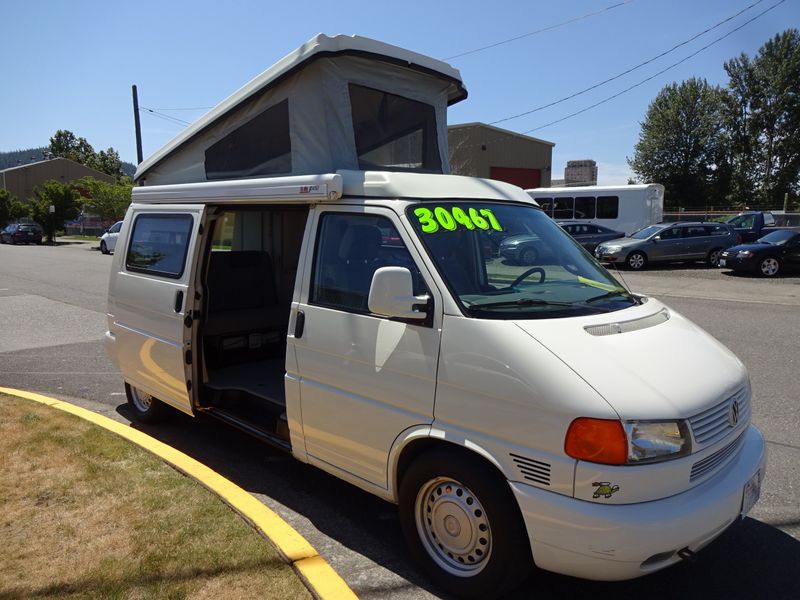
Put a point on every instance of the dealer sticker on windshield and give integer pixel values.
(432, 219)
(752, 490)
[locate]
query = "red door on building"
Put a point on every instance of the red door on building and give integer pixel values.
(524, 178)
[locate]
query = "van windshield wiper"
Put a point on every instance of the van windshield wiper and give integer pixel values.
(608, 295)
(521, 302)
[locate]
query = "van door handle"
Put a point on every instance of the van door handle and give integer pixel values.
(299, 324)
(178, 301)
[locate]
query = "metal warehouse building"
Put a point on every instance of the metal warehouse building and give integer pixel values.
(480, 150)
(21, 181)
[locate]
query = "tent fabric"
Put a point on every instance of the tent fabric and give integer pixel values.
(321, 133)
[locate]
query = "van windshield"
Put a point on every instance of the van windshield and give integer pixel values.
(511, 261)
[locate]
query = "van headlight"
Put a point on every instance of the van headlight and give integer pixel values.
(611, 442)
(650, 441)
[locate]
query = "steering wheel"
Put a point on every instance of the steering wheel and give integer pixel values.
(527, 274)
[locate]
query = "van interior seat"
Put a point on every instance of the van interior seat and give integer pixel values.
(242, 295)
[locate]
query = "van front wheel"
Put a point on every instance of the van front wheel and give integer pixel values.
(463, 526)
(146, 408)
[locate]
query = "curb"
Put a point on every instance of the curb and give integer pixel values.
(318, 576)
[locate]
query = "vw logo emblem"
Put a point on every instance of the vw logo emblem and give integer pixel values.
(733, 413)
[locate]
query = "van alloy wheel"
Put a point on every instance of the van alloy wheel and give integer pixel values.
(769, 267)
(453, 526)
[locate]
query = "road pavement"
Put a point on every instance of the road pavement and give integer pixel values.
(52, 318)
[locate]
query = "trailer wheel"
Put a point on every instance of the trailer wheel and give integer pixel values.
(146, 408)
(463, 526)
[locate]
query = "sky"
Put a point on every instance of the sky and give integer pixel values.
(71, 64)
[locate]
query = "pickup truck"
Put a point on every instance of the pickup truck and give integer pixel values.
(750, 225)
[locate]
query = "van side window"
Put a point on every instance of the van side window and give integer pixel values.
(393, 132)
(261, 146)
(349, 249)
(159, 243)
(607, 207)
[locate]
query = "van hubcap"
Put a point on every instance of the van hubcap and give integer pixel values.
(453, 527)
(141, 400)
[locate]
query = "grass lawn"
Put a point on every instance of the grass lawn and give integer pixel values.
(80, 238)
(86, 514)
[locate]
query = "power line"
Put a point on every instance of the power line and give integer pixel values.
(160, 115)
(192, 108)
(542, 30)
(626, 72)
(661, 72)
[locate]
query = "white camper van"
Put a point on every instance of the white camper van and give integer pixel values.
(359, 320)
(625, 208)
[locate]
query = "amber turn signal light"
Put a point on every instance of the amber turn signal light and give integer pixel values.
(597, 440)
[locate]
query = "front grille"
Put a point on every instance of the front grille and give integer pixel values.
(532, 470)
(708, 464)
(712, 424)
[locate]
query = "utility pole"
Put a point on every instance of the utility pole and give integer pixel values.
(137, 125)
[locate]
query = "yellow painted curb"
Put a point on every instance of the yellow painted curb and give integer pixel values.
(318, 575)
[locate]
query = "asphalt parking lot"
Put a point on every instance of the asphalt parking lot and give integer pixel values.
(52, 318)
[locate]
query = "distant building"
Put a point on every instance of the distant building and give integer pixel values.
(580, 172)
(480, 150)
(20, 181)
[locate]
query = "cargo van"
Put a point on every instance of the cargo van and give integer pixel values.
(518, 415)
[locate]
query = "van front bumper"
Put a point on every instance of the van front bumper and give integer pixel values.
(623, 541)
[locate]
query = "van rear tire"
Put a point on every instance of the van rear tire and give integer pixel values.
(463, 525)
(145, 408)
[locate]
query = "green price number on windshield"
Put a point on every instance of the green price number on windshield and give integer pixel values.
(432, 220)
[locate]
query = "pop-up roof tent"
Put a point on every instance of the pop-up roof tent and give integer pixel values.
(343, 102)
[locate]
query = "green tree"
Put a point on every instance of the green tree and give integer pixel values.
(11, 209)
(681, 144)
(762, 111)
(106, 200)
(66, 144)
(63, 197)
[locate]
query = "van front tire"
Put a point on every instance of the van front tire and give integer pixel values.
(463, 526)
(145, 408)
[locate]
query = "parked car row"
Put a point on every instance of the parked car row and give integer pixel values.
(718, 244)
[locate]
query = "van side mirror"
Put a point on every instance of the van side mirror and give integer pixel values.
(392, 294)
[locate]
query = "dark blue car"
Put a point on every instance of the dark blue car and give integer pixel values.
(774, 253)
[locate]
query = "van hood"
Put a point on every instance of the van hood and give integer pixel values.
(661, 366)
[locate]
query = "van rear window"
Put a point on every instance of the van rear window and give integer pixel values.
(159, 243)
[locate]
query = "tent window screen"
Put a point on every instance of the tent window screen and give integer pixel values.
(259, 147)
(393, 132)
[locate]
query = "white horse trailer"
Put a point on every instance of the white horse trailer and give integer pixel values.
(625, 208)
